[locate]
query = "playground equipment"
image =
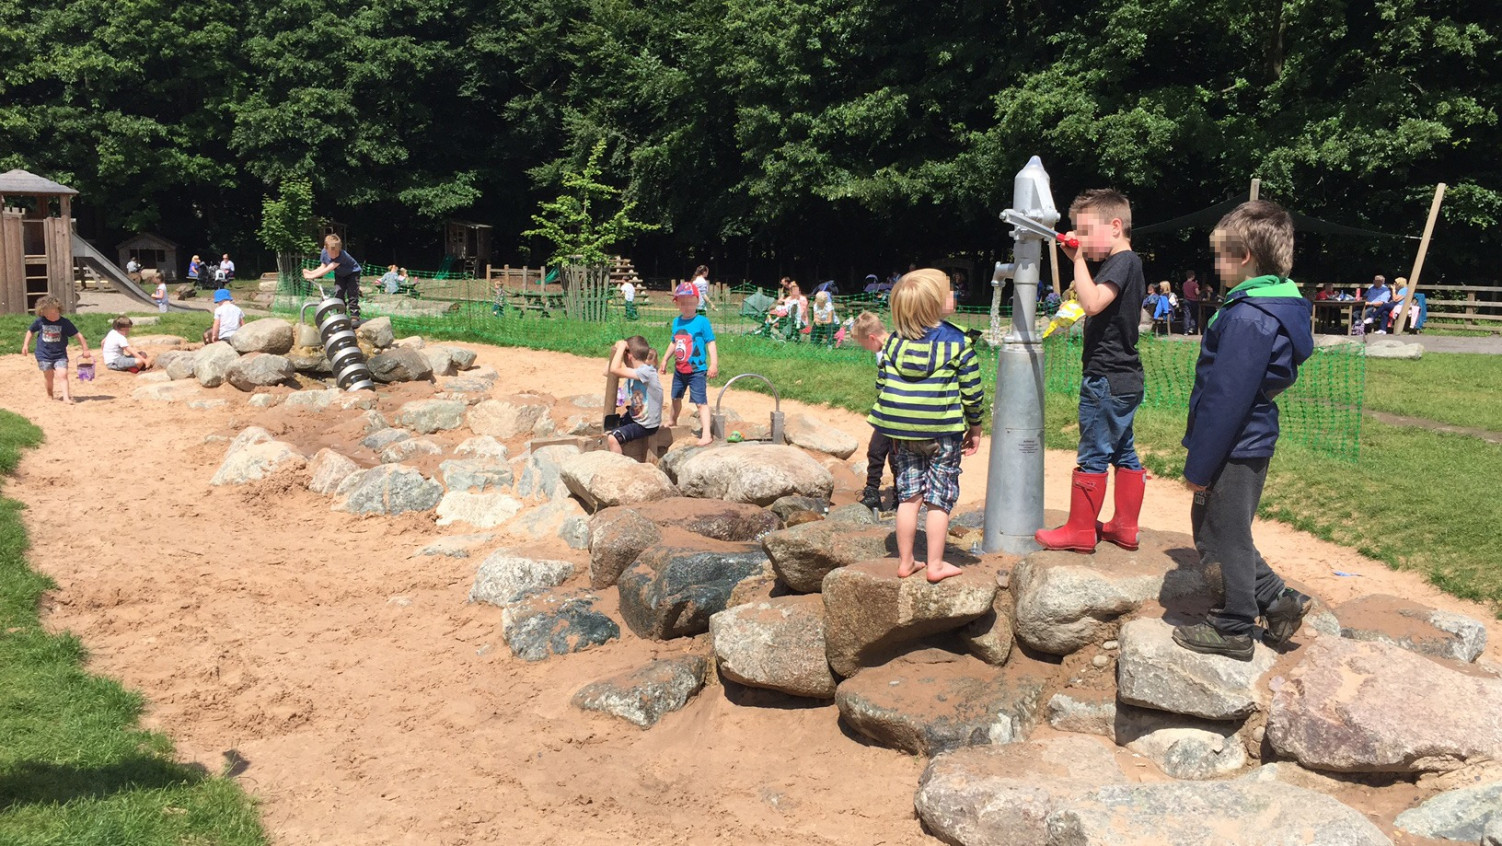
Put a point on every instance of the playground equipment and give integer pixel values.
(1014, 480)
(717, 420)
(340, 344)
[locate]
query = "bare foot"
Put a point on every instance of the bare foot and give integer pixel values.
(671, 424)
(943, 570)
(704, 442)
(68, 401)
(905, 570)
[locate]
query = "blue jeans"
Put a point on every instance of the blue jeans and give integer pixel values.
(1106, 427)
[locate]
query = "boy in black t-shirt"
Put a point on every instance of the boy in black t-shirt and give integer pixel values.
(1112, 384)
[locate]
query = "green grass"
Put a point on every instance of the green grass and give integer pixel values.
(75, 767)
(1456, 388)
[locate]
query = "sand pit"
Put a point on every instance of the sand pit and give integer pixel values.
(373, 705)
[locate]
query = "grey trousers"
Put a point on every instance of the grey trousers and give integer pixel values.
(1222, 521)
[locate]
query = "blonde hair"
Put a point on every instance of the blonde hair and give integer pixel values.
(1164, 287)
(867, 324)
(48, 302)
(1108, 203)
(333, 242)
(918, 302)
(822, 297)
(1260, 229)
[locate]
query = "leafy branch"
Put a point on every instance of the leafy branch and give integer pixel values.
(569, 222)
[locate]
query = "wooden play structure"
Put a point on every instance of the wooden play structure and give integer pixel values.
(36, 242)
(467, 244)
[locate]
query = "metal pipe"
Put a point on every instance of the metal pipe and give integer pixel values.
(340, 344)
(717, 420)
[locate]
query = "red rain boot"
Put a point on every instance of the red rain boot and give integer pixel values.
(1085, 500)
(1122, 530)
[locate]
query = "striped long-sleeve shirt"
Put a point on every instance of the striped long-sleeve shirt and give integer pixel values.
(929, 387)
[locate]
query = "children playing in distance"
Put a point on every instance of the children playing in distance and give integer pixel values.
(118, 353)
(1112, 382)
(1251, 352)
(52, 332)
(228, 318)
(346, 274)
(929, 402)
(825, 320)
(872, 336)
(695, 359)
(634, 360)
(160, 295)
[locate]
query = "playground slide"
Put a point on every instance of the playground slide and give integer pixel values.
(84, 253)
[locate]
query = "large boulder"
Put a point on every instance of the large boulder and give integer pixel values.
(506, 418)
(480, 510)
(377, 332)
(673, 591)
(777, 644)
(803, 430)
(1185, 748)
(616, 537)
(645, 695)
(177, 364)
(1462, 814)
(388, 489)
(1155, 672)
(1002, 795)
(1410, 625)
(328, 471)
(475, 474)
(482, 446)
(212, 362)
(931, 701)
(803, 555)
(310, 360)
(440, 360)
(1084, 711)
(601, 479)
(399, 365)
(1066, 600)
(555, 622)
(429, 416)
(541, 476)
(256, 461)
(759, 473)
(408, 448)
(562, 518)
(870, 613)
(268, 335)
(1226, 813)
(315, 400)
(1351, 706)
(989, 637)
(259, 370)
(382, 438)
(711, 518)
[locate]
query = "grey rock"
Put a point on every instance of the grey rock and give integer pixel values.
(177, 363)
(1493, 834)
(313, 399)
(480, 510)
(989, 636)
(1185, 748)
(644, 696)
(474, 390)
(616, 537)
(574, 531)
(388, 489)
(1350, 706)
(267, 335)
(546, 521)
(602, 479)
(803, 555)
(555, 622)
(1155, 672)
(382, 438)
(482, 446)
(931, 701)
(408, 448)
(212, 362)
(463, 359)
(256, 461)
(1066, 600)
(1394, 349)
(542, 472)
(168, 392)
(672, 592)
(777, 644)
(1092, 712)
(429, 416)
(454, 546)
(1001, 795)
(378, 332)
(310, 360)
(787, 506)
(264, 400)
(306, 335)
(870, 613)
(1233, 813)
(1462, 814)
(680, 452)
(1412, 626)
(363, 399)
(727, 521)
(504, 578)
(476, 474)
(440, 360)
(248, 436)
(853, 514)
(506, 419)
(399, 365)
(805, 431)
(411, 342)
(328, 471)
(757, 473)
(258, 370)
(207, 404)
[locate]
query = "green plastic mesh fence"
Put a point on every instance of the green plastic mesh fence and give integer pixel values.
(1322, 411)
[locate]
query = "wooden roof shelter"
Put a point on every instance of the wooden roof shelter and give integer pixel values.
(36, 242)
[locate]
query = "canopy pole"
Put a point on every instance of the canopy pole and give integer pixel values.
(1256, 191)
(1418, 263)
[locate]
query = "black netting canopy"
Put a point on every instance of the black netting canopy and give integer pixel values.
(1206, 219)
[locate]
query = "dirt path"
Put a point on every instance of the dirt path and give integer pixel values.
(1487, 435)
(374, 706)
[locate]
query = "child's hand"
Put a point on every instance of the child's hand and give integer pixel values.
(714, 371)
(972, 441)
(1069, 252)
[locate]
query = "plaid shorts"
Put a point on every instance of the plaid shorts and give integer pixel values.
(936, 478)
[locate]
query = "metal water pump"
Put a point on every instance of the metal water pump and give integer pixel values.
(717, 419)
(340, 344)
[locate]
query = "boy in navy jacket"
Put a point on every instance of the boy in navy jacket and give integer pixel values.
(1251, 352)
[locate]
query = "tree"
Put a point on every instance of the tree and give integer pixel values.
(574, 221)
(287, 224)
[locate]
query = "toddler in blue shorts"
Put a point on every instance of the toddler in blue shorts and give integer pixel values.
(694, 356)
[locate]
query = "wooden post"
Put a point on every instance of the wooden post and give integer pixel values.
(1256, 191)
(1418, 263)
(1053, 267)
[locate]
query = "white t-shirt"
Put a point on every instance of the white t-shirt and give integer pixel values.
(230, 319)
(645, 397)
(228, 267)
(824, 313)
(628, 291)
(702, 284)
(161, 291)
(114, 347)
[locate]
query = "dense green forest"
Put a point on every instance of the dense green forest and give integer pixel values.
(828, 138)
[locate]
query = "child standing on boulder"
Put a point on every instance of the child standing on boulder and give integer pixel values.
(695, 357)
(346, 275)
(1251, 352)
(1112, 384)
(929, 402)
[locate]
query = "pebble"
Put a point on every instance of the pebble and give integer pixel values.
(1100, 661)
(1110, 645)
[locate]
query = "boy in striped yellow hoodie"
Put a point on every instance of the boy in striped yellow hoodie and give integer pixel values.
(929, 402)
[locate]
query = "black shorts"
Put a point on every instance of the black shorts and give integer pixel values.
(632, 431)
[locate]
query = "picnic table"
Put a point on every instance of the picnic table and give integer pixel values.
(544, 303)
(1328, 313)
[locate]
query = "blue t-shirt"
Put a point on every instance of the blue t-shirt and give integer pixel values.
(347, 266)
(691, 340)
(52, 337)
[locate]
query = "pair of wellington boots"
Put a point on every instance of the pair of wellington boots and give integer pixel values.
(1087, 496)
